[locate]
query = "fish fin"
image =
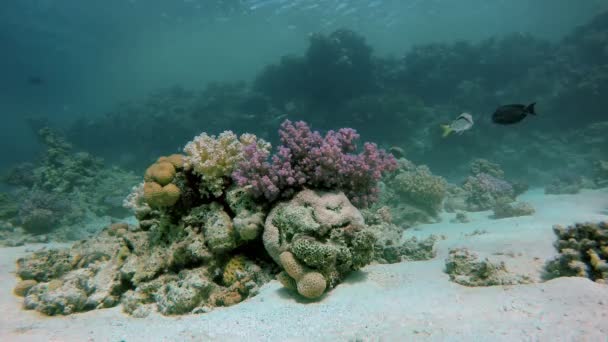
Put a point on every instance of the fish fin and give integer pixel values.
(530, 108)
(446, 130)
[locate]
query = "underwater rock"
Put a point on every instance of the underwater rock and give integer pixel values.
(583, 249)
(600, 173)
(134, 267)
(504, 209)
(389, 247)
(567, 182)
(465, 268)
(460, 217)
(318, 238)
(249, 214)
(22, 287)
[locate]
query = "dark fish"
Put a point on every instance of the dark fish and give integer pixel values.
(513, 113)
(35, 80)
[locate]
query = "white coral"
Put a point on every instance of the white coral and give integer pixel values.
(135, 200)
(214, 158)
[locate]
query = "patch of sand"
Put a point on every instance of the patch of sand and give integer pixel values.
(406, 301)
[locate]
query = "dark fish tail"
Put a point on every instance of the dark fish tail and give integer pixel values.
(530, 109)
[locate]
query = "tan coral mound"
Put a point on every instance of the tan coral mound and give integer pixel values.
(162, 173)
(177, 160)
(158, 196)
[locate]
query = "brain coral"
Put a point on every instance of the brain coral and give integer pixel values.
(317, 237)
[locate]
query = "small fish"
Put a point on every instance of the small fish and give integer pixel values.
(35, 80)
(462, 123)
(513, 113)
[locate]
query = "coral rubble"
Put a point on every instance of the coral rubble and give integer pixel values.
(465, 268)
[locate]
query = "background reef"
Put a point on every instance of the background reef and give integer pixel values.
(340, 81)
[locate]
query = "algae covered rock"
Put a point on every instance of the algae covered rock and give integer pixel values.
(390, 245)
(173, 274)
(465, 268)
(317, 238)
(249, 214)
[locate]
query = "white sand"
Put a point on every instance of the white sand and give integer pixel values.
(406, 301)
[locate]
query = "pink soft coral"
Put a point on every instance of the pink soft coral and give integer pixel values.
(307, 159)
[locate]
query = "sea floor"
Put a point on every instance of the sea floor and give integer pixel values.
(398, 302)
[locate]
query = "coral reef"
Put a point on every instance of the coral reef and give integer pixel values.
(583, 252)
(465, 268)
(317, 238)
(191, 251)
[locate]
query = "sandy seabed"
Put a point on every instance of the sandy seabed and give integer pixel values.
(399, 302)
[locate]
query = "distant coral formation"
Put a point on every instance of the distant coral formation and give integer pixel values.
(63, 188)
(413, 194)
(485, 189)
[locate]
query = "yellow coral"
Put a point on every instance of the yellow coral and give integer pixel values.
(291, 265)
(162, 173)
(23, 287)
(234, 269)
(312, 285)
(287, 281)
(160, 196)
(176, 159)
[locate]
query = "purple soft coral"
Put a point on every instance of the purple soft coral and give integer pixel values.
(307, 159)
